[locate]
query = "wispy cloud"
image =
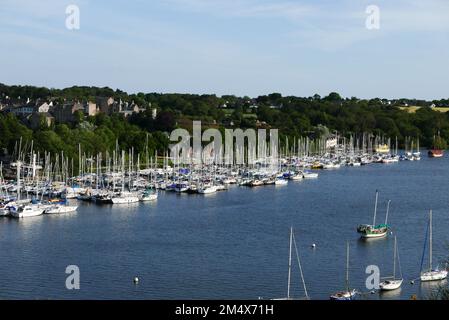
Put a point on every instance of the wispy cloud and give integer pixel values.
(244, 8)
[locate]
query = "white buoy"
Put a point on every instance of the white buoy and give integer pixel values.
(136, 280)
(313, 245)
(412, 282)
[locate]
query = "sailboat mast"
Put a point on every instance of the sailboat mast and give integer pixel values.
(290, 263)
(430, 240)
(388, 210)
(300, 269)
(394, 258)
(375, 208)
(347, 265)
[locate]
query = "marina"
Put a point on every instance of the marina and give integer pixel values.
(185, 244)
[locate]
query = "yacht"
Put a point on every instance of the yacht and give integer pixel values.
(26, 211)
(431, 274)
(256, 183)
(310, 175)
(58, 208)
(181, 187)
(393, 283)
(347, 294)
(373, 230)
(148, 195)
(4, 211)
(125, 198)
(281, 182)
(207, 189)
(296, 176)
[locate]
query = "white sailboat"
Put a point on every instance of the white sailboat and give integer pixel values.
(293, 243)
(148, 196)
(391, 283)
(26, 211)
(207, 189)
(280, 182)
(59, 208)
(4, 211)
(125, 198)
(296, 176)
(347, 294)
(309, 175)
(431, 274)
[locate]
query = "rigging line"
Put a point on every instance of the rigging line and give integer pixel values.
(300, 268)
(425, 245)
(399, 260)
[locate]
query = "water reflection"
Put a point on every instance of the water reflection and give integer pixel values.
(430, 289)
(391, 294)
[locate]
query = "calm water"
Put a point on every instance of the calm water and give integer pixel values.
(232, 245)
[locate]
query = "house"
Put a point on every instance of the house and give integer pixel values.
(125, 108)
(90, 109)
(39, 119)
(23, 110)
(43, 107)
(65, 112)
(105, 104)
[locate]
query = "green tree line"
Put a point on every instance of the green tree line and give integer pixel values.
(293, 116)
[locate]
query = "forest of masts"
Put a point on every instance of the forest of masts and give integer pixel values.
(59, 167)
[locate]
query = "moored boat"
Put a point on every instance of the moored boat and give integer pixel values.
(347, 294)
(431, 274)
(148, 195)
(26, 211)
(389, 284)
(57, 209)
(436, 153)
(281, 182)
(373, 230)
(125, 198)
(207, 190)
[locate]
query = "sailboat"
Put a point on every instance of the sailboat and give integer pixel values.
(391, 283)
(436, 151)
(26, 211)
(375, 231)
(60, 208)
(280, 181)
(347, 294)
(293, 243)
(431, 274)
(207, 189)
(125, 197)
(148, 195)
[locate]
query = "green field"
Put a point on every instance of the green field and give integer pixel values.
(412, 109)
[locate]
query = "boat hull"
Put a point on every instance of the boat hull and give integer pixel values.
(435, 153)
(373, 235)
(344, 295)
(433, 275)
(389, 285)
(125, 200)
(27, 213)
(150, 197)
(207, 190)
(61, 209)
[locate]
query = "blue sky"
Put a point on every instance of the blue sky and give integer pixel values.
(242, 47)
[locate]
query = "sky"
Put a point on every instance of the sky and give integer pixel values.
(241, 47)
